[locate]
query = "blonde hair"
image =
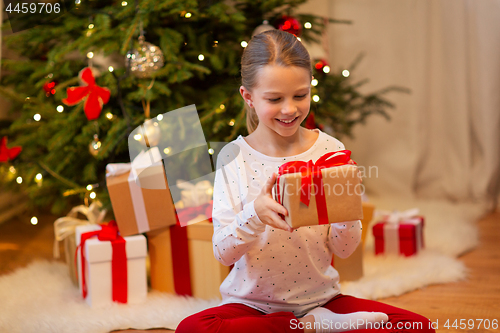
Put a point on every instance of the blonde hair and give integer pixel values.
(272, 47)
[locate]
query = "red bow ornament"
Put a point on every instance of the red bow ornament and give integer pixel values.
(95, 97)
(7, 154)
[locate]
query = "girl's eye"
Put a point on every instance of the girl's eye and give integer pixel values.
(277, 99)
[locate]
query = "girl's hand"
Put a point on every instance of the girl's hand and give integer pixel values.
(267, 208)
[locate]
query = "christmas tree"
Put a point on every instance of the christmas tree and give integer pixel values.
(145, 58)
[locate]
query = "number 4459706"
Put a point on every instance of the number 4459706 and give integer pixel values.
(472, 324)
(33, 7)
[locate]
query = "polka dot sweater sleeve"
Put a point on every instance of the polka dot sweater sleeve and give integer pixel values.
(344, 237)
(236, 225)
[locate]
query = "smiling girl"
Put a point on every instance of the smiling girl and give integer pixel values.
(282, 279)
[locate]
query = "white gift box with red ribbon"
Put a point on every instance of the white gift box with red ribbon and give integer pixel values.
(98, 269)
(399, 233)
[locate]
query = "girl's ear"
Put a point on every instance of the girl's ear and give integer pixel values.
(247, 96)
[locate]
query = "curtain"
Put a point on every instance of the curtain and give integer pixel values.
(443, 139)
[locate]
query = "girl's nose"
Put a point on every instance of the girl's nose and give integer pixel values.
(289, 108)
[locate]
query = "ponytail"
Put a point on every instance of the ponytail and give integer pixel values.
(252, 119)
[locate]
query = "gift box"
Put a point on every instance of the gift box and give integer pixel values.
(193, 195)
(207, 273)
(196, 203)
(351, 268)
(111, 268)
(140, 195)
(399, 234)
(169, 260)
(192, 215)
(327, 191)
(182, 259)
(64, 230)
(69, 255)
(368, 213)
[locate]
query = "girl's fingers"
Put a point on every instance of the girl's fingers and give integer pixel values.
(279, 209)
(280, 224)
(277, 222)
(285, 226)
(267, 189)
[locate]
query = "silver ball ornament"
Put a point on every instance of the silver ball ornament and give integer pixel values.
(265, 26)
(145, 60)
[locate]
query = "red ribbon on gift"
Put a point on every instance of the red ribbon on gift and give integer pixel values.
(109, 232)
(311, 174)
(180, 260)
(189, 213)
(180, 248)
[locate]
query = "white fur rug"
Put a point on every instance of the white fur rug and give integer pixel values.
(41, 298)
(450, 230)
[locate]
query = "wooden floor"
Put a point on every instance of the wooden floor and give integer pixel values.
(473, 300)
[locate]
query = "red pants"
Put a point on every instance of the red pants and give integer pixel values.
(231, 318)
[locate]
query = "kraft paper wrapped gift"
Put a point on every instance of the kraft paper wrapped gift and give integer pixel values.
(196, 202)
(327, 191)
(351, 268)
(170, 249)
(399, 233)
(207, 273)
(193, 195)
(169, 260)
(110, 270)
(64, 230)
(140, 195)
(368, 213)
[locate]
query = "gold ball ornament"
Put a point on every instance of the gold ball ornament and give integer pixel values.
(144, 60)
(95, 146)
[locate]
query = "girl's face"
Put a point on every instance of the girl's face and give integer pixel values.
(282, 98)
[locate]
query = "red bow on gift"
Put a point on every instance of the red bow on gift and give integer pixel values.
(109, 232)
(7, 154)
(189, 213)
(95, 96)
(311, 173)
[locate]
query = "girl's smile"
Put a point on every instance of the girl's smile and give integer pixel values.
(288, 123)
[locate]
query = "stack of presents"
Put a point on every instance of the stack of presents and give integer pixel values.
(148, 248)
